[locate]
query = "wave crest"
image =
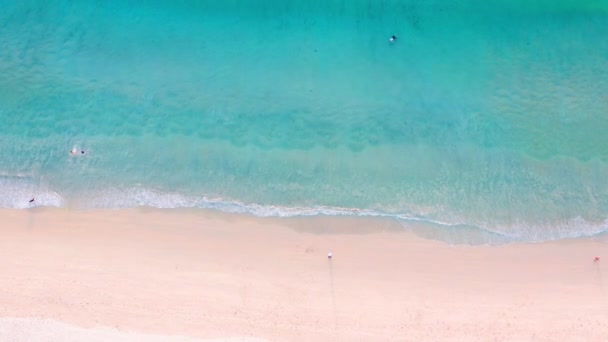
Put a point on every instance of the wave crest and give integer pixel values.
(18, 190)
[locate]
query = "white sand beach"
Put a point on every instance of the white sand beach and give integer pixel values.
(184, 275)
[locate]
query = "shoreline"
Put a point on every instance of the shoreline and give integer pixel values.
(450, 234)
(207, 274)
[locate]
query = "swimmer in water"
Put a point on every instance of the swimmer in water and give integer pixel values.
(392, 39)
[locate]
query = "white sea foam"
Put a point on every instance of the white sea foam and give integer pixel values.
(491, 232)
(17, 191)
(118, 198)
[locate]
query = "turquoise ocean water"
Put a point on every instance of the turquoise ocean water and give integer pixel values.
(488, 120)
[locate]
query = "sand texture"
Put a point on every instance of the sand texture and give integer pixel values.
(193, 274)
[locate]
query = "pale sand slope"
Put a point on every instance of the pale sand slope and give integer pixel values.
(207, 275)
(43, 329)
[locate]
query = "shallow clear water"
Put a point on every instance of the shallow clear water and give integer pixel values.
(486, 118)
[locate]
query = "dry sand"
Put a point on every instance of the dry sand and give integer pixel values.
(140, 273)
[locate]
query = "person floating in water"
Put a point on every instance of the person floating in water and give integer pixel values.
(75, 151)
(32, 200)
(392, 39)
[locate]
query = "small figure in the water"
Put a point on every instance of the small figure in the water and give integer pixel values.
(73, 151)
(32, 200)
(392, 39)
(82, 152)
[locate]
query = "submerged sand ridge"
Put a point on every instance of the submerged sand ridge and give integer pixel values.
(207, 275)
